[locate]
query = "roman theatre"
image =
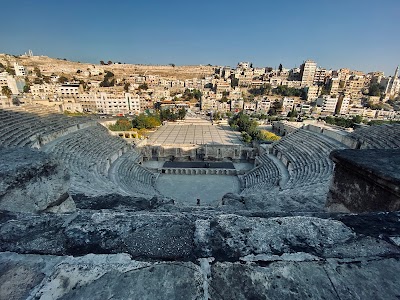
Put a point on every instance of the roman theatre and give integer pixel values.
(191, 212)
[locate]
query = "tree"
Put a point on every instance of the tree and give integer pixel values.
(37, 72)
(143, 86)
(357, 119)
(246, 137)
(172, 65)
(108, 80)
(108, 74)
(375, 89)
(292, 113)
(234, 81)
(121, 125)
(181, 113)
(126, 86)
(262, 90)
(5, 90)
(10, 71)
(147, 122)
(280, 67)
(109, 62)
(102, 62)
(265, 135)
(62, 79)
(27, 88)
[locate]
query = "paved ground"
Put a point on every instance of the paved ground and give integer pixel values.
(195, 131)
(208, 188)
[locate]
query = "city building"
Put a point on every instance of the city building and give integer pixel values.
(69, 90)
(393, 85)
(307, 73)
(327, 104)
(117, 103)
(19, 70)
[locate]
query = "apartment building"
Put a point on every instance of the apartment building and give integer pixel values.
(334, 84)
(288, 104)
(307, 73)
(320, 76)
(250, 106)
(327, 104)
(117, 103)
(354, 86)
(263, 105)
(20, 70)
(43, 91)
(343, 105)
(69, 90)
(312, 92)
(8, 80)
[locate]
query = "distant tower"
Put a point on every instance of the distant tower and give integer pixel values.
(393, 86)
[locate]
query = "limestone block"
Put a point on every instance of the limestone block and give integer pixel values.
(31, 181)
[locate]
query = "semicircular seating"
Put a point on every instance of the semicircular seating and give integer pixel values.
(263, 177)
(90, 154)
(34, 125)
(385, 136)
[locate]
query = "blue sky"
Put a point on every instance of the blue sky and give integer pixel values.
(361, 35)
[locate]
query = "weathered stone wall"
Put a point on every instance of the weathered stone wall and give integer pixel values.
(192, 256)
(365, 180)
(30, 181)
(198, 152)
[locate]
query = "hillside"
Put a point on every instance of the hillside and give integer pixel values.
(49, 65)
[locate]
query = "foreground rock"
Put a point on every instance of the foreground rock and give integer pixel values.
(30, 181)
(119, 277)
(187, 237)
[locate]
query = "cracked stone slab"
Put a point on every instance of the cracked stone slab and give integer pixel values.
(234, 237)
(97, 277)
(31, 181)
(162, 236)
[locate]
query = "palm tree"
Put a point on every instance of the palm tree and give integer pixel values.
(5, 90)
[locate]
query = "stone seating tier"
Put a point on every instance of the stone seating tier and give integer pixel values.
(378, 137)
(131, 176)
(89, 154)
(267, 173)
(306, 156)
(23, 126)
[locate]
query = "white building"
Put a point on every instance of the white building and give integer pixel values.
(343, 105)
(305, 108)
(393, 85)
(312, 92)
(69, 90)
(43, 91)
(19, 70)
(287, 104)
(249, 106)
(118, 104)
(307, 73)
(263, 105)
(327, 104)
(8, 80)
